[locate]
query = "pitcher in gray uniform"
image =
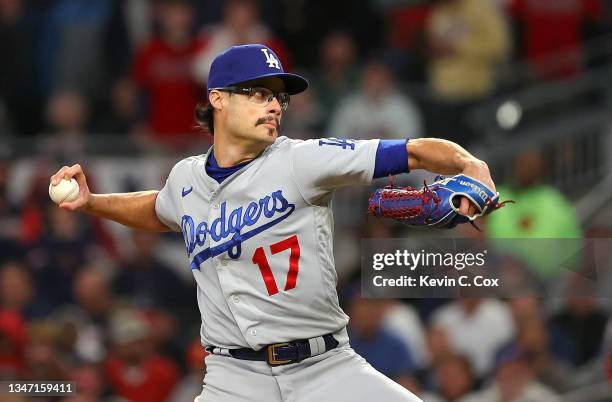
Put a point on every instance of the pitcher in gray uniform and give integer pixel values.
(255, 214)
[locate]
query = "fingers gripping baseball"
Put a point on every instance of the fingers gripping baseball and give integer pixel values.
(73, 172)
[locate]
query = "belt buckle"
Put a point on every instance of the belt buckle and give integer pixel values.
(272, 361)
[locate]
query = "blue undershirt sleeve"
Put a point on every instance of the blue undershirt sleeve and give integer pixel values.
(391, 158)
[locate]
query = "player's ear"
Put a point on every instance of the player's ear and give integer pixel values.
(214, 97)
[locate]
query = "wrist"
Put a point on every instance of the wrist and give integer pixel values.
(89, 205)
(471, 166)
(479, 170)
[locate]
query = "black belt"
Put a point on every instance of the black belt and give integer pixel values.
(279, 354)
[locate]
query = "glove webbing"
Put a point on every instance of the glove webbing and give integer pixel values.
(396, 195)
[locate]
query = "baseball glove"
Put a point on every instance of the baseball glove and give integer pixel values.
(436, 205)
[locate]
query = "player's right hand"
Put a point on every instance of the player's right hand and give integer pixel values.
(76, 172)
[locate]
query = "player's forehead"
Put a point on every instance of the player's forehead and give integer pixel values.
(274, 84)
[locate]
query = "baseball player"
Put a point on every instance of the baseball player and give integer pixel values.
(255, 213)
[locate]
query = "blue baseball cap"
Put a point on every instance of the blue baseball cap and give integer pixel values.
(244, 63)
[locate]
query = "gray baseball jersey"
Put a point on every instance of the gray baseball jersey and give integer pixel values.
(260, 243)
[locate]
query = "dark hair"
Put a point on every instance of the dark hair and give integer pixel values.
(204, 117)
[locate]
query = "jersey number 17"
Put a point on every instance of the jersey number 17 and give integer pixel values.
(260, 259)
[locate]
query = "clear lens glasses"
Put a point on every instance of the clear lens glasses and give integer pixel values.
(260, 96)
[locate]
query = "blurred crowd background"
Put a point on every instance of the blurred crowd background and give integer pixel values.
(112, 85)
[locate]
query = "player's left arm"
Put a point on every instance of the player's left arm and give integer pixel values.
(445, 157)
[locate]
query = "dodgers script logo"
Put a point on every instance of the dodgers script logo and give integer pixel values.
(230, 225)
(270, 59)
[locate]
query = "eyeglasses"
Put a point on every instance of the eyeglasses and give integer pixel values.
(260, 96)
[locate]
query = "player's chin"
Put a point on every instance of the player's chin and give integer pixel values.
(269, 133)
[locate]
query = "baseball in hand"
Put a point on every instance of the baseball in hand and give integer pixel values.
(66, 190)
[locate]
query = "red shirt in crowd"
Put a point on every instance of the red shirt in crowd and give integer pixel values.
(166, 74)
(151, 381)
(553, 26)
(407, 25)
(12, 343)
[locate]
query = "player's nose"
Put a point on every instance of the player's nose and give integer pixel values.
(274, 107)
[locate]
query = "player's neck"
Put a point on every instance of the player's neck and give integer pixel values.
(230, 153)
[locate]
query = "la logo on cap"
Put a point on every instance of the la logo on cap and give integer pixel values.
(243, 63)
(270, 59)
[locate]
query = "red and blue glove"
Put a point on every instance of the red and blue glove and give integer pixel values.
(436, 205)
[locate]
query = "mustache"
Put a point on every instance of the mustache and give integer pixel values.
(268, 119)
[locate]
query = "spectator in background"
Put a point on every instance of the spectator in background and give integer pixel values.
(17, 291)
(123, 116)
(19, 92)
(133, 368)
(240, 25)
(401, 320)
(68, 117)
(533, 340)
(476, 328)
(73, 46)
(519, 279)
(87, 321)
(305, 24)
(138, 16)
(10, 228)
(540, 211)
(514, 381)
(9, 212)
(58, 254)
(438, 349)
(42, 356)
(90, 381)
(454, 377)
(406, 21)
(15, 287)
(438, 344)
(468, 40)
(379, 110)
(93, 295)
(337, 76)
(383, 350)
(305, 121)
(550, 34)
(162, 69)
(577, 331)
(13, 340)
(191, 385)
(525, 308)
(147, 282)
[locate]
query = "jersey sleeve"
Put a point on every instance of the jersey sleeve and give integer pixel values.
(166, 204)
(391, 158)
(320, 166)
